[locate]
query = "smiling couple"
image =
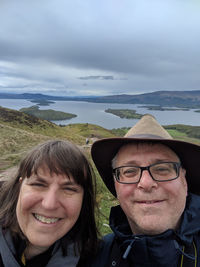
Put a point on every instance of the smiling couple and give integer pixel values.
(47, 209)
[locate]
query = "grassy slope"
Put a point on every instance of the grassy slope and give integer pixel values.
(19, 132)
(14, 142)
(29, 123)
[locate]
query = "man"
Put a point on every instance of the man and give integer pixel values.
(157, 183)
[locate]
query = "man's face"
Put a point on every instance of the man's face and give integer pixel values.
(151, 207)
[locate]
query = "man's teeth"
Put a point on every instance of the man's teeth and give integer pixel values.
(45, 219)
(153, 201)
(150, 202)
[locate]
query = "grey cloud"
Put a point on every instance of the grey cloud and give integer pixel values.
(96, 78)
(150, 44)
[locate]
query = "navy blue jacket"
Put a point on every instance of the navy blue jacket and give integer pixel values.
(169, 249)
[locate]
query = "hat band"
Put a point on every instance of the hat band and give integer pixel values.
(142, 136)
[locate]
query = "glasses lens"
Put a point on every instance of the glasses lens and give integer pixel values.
(164, 171)
(128, 174)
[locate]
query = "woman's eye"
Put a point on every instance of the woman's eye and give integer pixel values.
(38, 184)
(70, 189)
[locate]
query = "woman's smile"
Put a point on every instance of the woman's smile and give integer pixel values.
(46, 220)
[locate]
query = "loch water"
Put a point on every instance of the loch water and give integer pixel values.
(95, 113)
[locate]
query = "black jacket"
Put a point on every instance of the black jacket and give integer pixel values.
(169, 249)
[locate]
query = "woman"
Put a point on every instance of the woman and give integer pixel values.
(47, 209)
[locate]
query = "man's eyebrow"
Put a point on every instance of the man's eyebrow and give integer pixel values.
(130, 162)
(165, 160)
(136, 163)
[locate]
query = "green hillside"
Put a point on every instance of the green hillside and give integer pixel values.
(20, 131)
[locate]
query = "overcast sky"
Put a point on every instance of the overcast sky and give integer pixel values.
(99, 47)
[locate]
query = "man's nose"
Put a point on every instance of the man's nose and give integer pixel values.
(146, 181)
(50, 199)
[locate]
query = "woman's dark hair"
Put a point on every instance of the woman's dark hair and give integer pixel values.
(61, 157)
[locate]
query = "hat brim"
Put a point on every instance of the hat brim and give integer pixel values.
(104, 150)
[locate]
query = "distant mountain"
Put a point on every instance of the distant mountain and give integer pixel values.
(32, 96)
(163, 98)
(189, 99)
(28, 96)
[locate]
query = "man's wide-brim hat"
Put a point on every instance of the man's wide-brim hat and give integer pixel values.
(147, 129)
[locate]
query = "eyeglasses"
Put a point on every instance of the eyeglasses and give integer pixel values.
(160, 172)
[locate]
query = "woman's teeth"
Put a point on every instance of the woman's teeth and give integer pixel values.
(45, 219)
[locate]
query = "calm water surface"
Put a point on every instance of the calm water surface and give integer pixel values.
(95, 113)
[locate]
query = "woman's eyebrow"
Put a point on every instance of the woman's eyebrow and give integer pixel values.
(36, 177)
(69, 182)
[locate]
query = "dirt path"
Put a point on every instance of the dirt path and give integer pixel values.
(7, 173)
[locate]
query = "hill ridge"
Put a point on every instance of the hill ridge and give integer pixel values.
(189, 98)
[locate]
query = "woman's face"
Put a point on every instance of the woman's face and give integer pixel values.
(48, 207)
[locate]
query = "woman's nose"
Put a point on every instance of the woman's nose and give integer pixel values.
(50, 199)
